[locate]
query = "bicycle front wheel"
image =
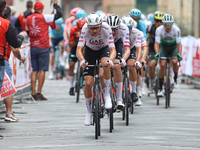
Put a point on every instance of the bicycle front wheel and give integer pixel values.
(167, 89)
(78, 81)
(126, 101)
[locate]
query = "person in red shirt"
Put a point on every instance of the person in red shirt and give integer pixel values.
(9, 100)
(22, 19)
(73, 40)
(38, 27)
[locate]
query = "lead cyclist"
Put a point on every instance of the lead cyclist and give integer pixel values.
(168, 41)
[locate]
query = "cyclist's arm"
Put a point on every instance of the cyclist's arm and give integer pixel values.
(112, 53)
(72, 42)
(179, 45)
(126, 53)
(145, 51)
(138, 53)
(79, 53)
(65, 35)
(156, 47)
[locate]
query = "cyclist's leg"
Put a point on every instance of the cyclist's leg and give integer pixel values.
(151, 69)
(104, 55)
(118, 73)
(132, 74)
(174, 53)
(73, 59)
(163, 53)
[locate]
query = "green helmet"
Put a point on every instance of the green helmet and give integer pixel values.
(167, 18)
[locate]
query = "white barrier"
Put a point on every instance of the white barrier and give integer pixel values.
(21, 72)
(190, 65)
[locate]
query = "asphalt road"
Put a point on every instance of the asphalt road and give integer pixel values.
(58, 124)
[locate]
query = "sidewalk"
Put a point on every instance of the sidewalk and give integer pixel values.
(57, 124)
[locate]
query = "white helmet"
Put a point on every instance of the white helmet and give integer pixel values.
(167, 18)
(129, 21)
(103, 17)
(93, 19)
(113, 21)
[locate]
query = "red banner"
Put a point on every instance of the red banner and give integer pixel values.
(7, 88)
(196, 62)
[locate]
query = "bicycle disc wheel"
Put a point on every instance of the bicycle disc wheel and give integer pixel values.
(126, 100)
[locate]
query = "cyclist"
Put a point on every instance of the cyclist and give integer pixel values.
(79, 14)
(56, 39)
(135, 55)
(168, 41)
(73, 41)
(121, 38)
(97, 38)
(136, 15)
(151, 31)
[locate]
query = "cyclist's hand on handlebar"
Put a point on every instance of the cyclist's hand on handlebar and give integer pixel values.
(143, 62)
(156, 56)
(83, 63)
(109, 63)
(138, 65)
(122, 62)
(179, 57)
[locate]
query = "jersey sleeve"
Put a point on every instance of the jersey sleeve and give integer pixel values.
(158, 36)
(138, 40)
(143, 41)
(126, 38)
(142, 28)
(110, 38)
(49, 18)
(178, 36)
(82, 37)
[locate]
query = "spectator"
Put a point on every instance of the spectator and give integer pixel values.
(22, 19)
(9, 100)
(13, 19)
(8, 34)
(38, 25)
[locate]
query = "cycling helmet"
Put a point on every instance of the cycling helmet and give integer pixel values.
(80, 22)
(114, 21)
(99, 12)
(80, 14)
(167, 18)
(127, 20)
(74, 23)
(150, 17)
(74, 10)
(93, 19)
(135, 13)
(158, 15)
(59, 21)
(103, 17)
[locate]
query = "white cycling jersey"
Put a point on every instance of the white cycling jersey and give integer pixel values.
(135, 38)
(98, 42)
(123, 33)
(168, 38)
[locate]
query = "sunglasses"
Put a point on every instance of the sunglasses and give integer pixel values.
(168, 24)
(158, 21)
(129, 27)
(115, 29)
(94, 28)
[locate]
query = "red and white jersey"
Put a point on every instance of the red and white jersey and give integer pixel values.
(123, 33)
(143, 41)
(135, 38)
(98, 42)
(38, 27)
